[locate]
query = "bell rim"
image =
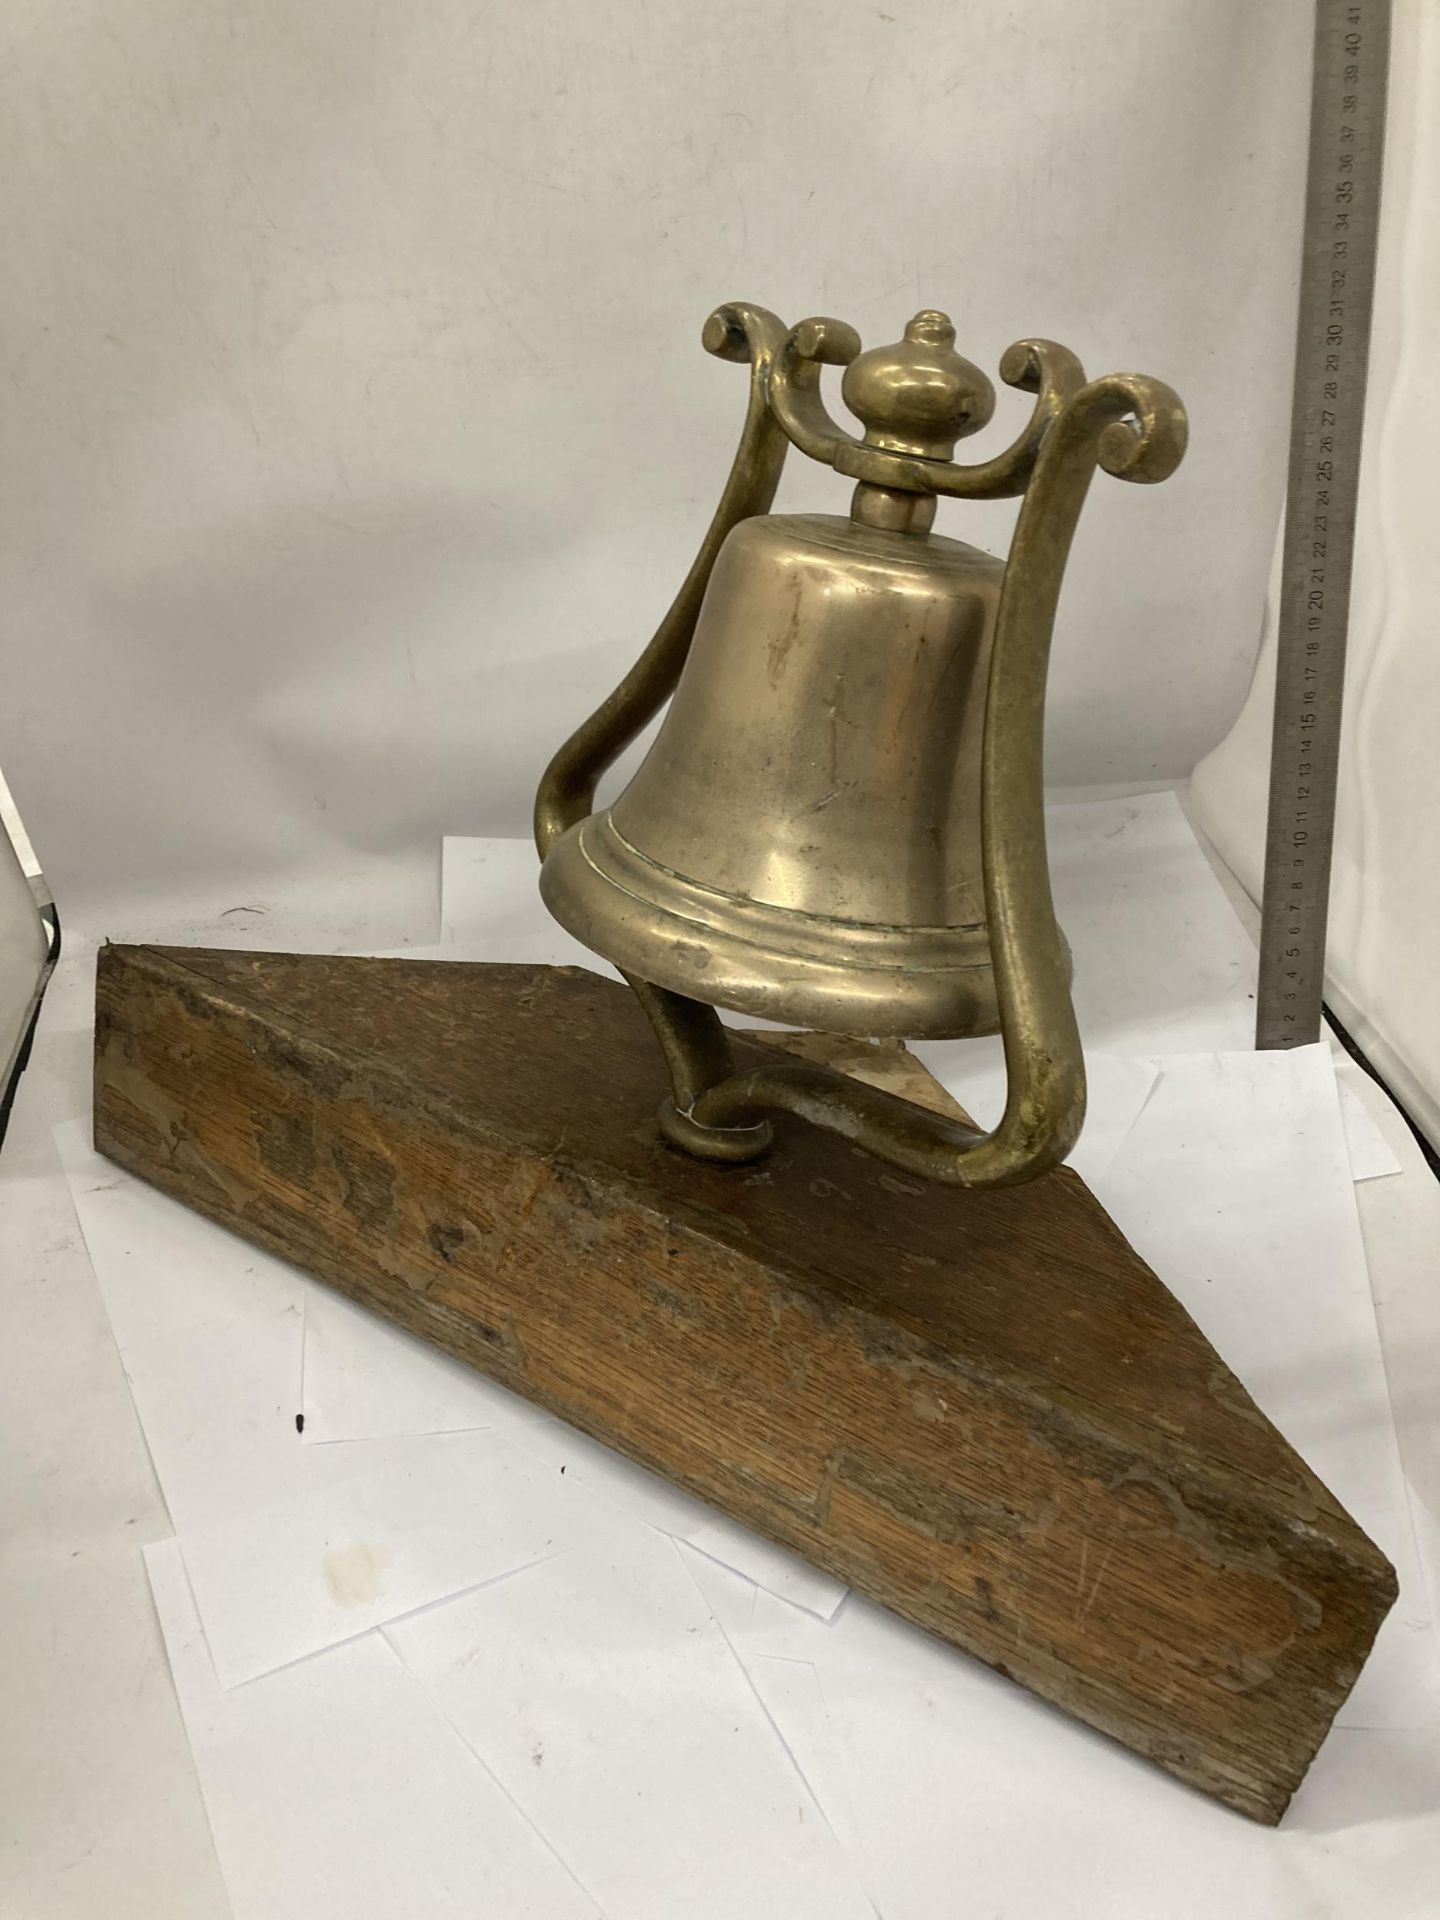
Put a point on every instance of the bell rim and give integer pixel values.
(728, 950)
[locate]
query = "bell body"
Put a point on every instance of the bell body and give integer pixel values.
(802, 841)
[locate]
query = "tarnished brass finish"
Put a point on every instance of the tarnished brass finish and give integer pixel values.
(840, 823)
(838, 672)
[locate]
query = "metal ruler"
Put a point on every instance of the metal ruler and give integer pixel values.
(1337, 281)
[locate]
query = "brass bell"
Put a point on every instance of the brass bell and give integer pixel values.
(839, 824)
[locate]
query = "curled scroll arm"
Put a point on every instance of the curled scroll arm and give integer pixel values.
(795, 394)
(567, 788)
(1054, 375)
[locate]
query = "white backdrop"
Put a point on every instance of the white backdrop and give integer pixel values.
(356, 429)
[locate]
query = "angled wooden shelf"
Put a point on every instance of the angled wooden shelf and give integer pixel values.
(981, 1409)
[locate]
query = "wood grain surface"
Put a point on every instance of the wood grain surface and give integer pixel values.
(981, 1409)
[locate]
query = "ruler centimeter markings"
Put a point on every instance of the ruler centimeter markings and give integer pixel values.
(1337, 280)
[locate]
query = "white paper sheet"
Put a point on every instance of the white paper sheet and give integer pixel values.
(939, 1775)
(337, 1791)
(1162, 963)
(365, 1379)
(599, 1691)
(290, 1547)
(160, 1267)
(286, 1579)
(780, 1573)
(781, 1666)
(210, 1333)
(1118, 1085)
(1371, 1157)
(1235, 1185)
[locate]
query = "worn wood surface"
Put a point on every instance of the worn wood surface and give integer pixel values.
(983, 1410)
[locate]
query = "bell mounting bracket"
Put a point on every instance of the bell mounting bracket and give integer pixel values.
(915, 400)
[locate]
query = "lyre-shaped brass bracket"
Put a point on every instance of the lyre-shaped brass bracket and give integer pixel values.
(1133, 427)
(889, 460)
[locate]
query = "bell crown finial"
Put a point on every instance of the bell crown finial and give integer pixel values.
(918, 396)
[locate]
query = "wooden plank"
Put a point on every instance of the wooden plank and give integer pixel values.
(983, 1410)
